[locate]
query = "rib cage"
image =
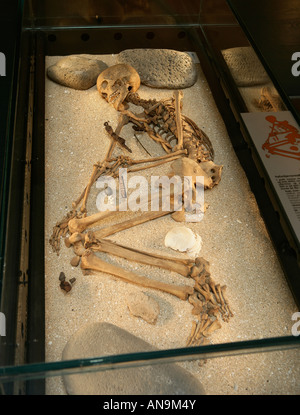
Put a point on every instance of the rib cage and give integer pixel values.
(161, 126)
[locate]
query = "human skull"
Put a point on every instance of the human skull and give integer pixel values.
(115, 82)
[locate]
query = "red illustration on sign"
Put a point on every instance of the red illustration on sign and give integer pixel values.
(283, 139)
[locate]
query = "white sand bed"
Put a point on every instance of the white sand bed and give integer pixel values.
(235, 242)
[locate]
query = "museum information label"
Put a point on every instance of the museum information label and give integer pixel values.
(276, 136)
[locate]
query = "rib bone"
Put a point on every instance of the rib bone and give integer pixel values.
(90, 261)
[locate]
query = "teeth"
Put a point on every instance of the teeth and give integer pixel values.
(113, 96)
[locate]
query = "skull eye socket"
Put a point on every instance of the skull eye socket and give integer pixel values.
(104, 84)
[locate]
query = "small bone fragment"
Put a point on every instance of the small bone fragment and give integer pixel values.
(78, 248)
(196, 303)
(203, 265)
(195, 271)
(75, 261)
(79, 225)
(183, 239)
(222, 302)
(179, 215)
(223, 289)
(67, 242)
(207, 295)
(204, 326)
(212, 310)
(218, 288)
(66, 286)
(91, 262)
(138, 256)
(119, 140)
(213, 288)
(194, 300)
(200, 279)
(215, 325)
(194, 326)
(62, 276)
(200, 327)
(75, 237)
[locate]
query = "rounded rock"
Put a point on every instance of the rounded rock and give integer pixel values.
(76, 72)
(105, 339)
(161, 68)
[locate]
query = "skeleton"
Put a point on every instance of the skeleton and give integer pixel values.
(192, 154)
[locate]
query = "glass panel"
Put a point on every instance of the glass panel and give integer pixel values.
(102, 13)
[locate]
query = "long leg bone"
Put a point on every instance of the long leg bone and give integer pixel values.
(145, 217)
(186, 261)
(103, 165)
(138, 256)
(79, 225)
(90, 261)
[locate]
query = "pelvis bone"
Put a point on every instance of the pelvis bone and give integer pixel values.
(115, 82)
(187, 167)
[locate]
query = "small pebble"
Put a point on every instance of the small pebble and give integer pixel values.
(62, 276)
(75, 261)
(66, 286)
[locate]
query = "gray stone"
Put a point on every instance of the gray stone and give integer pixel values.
(245, 67)
(76, 72)
(161, 68)
(143, 306)
(105, 339)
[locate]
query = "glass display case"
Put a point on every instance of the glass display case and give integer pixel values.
(101, 299)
